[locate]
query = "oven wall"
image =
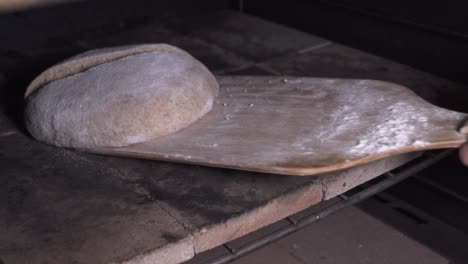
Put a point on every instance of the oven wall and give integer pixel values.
(34, 24)
(430, 35)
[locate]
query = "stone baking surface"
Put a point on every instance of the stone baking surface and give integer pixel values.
(305, 126)
(63, 206)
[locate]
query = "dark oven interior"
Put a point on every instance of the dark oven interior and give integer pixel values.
(63, 206)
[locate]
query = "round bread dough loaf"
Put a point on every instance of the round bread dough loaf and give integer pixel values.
(118, 96)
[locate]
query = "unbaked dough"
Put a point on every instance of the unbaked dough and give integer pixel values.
(118, 96)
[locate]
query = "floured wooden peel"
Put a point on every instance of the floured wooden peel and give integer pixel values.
(305, 126)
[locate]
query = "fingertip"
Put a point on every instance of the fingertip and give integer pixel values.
(463, 152)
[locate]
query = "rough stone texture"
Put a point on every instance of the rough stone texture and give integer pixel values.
(273, 211)
(58, 206)
(213, 56)
(124, 99)
(335, 184)
(246, 39)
